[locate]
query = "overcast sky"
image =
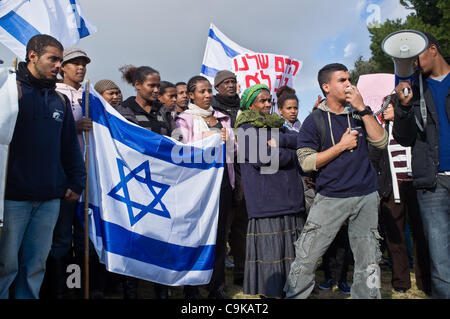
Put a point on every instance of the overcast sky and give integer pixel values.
(171, 35)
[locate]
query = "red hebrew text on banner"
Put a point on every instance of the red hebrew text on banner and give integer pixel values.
(265, 68)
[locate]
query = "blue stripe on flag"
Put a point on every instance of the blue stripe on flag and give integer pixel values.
(120, 241)
(153, 144)
(208, 71)
(82, 29)
(229, 51)
(19, 28)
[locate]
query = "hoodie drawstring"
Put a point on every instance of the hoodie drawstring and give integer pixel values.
(331, 129)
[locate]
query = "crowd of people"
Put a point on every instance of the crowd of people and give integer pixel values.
(342, 183)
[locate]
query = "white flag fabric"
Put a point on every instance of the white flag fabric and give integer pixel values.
(154, 201)
(219, 53)
(251, 68)
(9, 107)
(22, 19)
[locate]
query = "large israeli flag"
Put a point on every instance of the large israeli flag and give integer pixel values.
(22, 19)
(219, 53)
(154, 201)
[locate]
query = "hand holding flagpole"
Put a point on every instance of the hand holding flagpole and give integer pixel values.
(86, 198)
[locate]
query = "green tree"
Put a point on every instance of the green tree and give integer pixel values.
(362, 67)
(432, 16)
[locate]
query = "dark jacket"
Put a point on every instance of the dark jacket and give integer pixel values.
(425, 145)
(269, 195)
(44, 156)
(228, 106)
(158, 120)
(380, 162)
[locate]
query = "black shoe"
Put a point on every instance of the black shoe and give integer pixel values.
(161, 291)
(192, 293)
(130, 288)
(400, 290)
(238, 280)
(218, 294)
(96, 294)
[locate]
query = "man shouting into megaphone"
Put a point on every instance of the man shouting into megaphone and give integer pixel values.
(422, 121)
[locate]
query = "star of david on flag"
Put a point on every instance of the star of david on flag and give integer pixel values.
(152, 186)
(154, 201)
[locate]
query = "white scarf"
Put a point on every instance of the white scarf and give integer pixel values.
(199, 116)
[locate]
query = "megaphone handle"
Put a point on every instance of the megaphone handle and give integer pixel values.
(406, 92)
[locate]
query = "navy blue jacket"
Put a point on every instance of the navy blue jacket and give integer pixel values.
(44, 155)
(269, 195)
(350, 174)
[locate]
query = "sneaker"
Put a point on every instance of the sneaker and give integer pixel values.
(192, 293)
(228, 262)
(400, 290)
(344, 288)
(327, 284)
(218, 294)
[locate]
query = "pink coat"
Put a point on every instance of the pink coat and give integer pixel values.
(185, 122)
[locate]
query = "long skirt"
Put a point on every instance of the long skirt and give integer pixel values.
(269, 253)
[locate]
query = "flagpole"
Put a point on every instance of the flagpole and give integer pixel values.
(86, 198)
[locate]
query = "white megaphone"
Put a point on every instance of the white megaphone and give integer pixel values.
(403, 47)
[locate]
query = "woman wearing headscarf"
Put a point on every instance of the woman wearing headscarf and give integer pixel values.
(199, 121)
(274, 200)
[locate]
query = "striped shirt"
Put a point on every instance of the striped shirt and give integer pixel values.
(152, 121)
(401, 158)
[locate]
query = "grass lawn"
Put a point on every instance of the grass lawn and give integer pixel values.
(146, 289)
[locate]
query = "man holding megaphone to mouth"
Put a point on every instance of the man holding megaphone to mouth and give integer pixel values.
(422, 121)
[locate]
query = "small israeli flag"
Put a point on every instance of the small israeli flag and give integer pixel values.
(154, 200)
(22, 19)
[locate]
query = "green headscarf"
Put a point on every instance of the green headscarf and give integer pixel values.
(250, 95)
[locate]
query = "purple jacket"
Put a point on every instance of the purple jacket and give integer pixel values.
(185, 122)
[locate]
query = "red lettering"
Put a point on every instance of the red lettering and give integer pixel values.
(263, 62)
(288, 62)
(297, 66)
(279, 64)
(253, 57)
(266, 77)
(253, 78)
(236, 64)
(278, 82)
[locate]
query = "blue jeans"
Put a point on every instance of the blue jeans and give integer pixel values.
(434, 207)
(24, 245)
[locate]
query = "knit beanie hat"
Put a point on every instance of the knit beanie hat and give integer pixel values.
(103, 85)
(222, 76)
(250, 95)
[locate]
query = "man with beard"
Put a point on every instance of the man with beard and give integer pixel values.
(227, 101)
(45, 165)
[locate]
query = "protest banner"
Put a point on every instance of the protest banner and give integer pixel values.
(373, 89)
(250, 67)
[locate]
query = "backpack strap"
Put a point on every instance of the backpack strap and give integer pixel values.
(320, 124)
(63, 99)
